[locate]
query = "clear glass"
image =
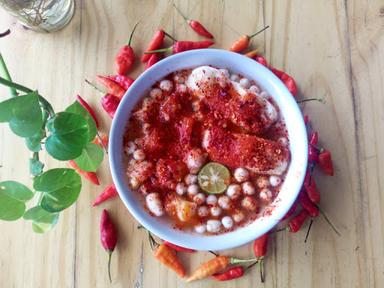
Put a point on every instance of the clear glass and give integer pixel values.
(41, 15)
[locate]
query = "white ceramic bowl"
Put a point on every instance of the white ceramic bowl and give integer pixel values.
(289, 110)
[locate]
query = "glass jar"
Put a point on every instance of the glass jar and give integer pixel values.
(41, 15)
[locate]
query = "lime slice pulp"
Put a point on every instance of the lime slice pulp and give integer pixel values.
(214, 178)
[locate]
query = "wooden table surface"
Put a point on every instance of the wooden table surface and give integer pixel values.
(334, 49)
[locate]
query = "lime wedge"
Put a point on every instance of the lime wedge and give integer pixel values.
(214, 178)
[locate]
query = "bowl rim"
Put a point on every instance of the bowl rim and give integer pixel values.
(155, 225)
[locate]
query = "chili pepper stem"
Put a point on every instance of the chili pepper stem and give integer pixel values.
(308, 230)
(94, 86)
(238, 261)
(133, 31)
(214, 253)
(251, 265)
(159, 50)
(179, 11)
(321, 100)
(101, 142)
(258, 32)
(5, 33)
(261, 268)
(109, 265)
(279, 230)
(170, 36)
(328, 220)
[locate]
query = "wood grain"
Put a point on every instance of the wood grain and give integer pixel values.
(333, 48)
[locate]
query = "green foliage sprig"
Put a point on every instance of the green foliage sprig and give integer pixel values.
(65, 135)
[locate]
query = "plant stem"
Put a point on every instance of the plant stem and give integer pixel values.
(5, 33)
(46, 105)
(109, 266)
(130, 36)
(328, 220)
(309, 229)
(170, 36)
(258, 32)
(321, 100)
(181, 14)
(5, 73)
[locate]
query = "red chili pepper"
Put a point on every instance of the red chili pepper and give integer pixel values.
(126, 56)
(112, 87)
(156, 43)
(306, 119)
(311, 188)
(261, 60)
(91, 176)
(181, 46)
(288, 81)
(108, 237)
(313, 153)
(124, 81)
(153, 60)
(195, 25)
(325, 162)
(178, 248)
(232, 273)
(108, 193)
(88, 108)
(307, 204)
(110, 104)
(297, 222)
(243, 42)
(260, 246)
(290, 211)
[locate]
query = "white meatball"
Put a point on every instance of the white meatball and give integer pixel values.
(265, 195)
(203, 211)
(234, 191)
(274, 180)
(224, 202)
(139, 155)
(245, 83)
(227, 222)
(248, 188)
(213, 226)
(154, 204)
(181, 88)
(179, 78)
(225, 72)
(283, 141)
(264, 94)
(199, 198)
(238, 216)
(130, 148)
(156, 93)
(235, 78)
(254, 89)
(262, 182)
(195, 160)
(215, 211)
(134, 183)
(249, 203)
(166, 85)
(193, 190)
(211, 200)
(201, 228)
(190, 179)
(241, 174)
(181, 189)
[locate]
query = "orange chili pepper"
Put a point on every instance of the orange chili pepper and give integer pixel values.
(112, 87)
(243, 42)
(215, 265)
(169, 258)
(251, 54)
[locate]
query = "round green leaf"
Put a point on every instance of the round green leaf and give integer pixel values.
(60, 188)
(13, 196)
(42, 219)
(69, 135)
(76, 108)
(23, 113)
(90, 158)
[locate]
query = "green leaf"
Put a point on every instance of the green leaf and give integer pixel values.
(76, 108)
(23, 113)
(34, 142)
(69, 135)
(60, 188)
(35, 167)
(90, 158)
(42, 220)
(13, 196)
